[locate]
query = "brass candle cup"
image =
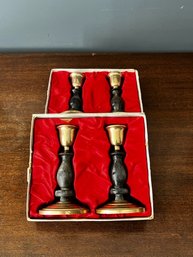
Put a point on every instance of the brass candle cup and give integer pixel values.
(115, 79)
(116, 135)
(76, 79)
(67, 135)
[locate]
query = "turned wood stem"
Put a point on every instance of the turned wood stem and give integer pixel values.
(118, 174)
(65, 177)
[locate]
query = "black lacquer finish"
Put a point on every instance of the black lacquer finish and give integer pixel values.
(118, 174)
(65, 177)
(76, 99)
(117, 102)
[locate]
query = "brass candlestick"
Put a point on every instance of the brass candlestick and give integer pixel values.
(121, 203)
(117, 102)
(68, 204)
(75, 103)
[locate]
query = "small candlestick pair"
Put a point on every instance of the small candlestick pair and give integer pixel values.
(75, 103)
(68, 204)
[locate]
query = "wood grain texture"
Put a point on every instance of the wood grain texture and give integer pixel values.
(167, 91)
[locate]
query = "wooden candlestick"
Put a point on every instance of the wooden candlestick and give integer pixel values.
(68, 204)
(119, 191)
(117, 103)
(75, 103)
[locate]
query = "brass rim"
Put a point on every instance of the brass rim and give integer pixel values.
(63, 209)
(114, 73)
(75, 74)
(120, 208)
(116, 126)
(66, 125)
(71, 111)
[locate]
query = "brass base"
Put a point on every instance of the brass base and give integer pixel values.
(122, 207)
(61, 208)
(69, 112)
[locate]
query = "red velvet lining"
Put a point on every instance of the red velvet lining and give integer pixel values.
(96, 92)
(91, 163)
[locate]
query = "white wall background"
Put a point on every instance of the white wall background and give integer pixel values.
(96, 25)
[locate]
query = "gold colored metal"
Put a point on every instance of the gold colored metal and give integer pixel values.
(121, 207)
(76, 78)
(68, 112)
(66, 135)
(71, 111)
(66, 208)
(116, 135)
(115, 79)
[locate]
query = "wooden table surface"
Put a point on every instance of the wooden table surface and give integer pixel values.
(167, 91)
